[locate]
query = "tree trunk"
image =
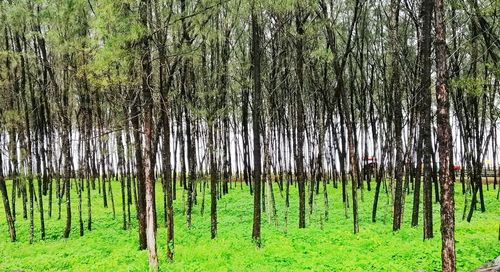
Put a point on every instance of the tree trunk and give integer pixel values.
(213, 183)
(141, 201)
(149, 192)
(5, 197)
(398, 117)
(448, 259)
(299, 21)
(256, 115)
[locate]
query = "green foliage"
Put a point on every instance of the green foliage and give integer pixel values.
(322, 53)
(281, 6)
(12, 119)
(117, 29)
(14, 15)
(471, 85)
(322, 246)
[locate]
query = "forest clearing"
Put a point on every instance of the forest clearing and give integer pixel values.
(249, 135)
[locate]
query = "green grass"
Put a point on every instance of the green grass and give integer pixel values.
(322, 246)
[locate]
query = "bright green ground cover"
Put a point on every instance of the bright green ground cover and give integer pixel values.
(328, 246)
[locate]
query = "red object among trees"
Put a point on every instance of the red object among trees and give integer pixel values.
(368, 158)
(456, 167)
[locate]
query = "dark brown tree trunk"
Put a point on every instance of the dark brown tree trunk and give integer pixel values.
(378, 181)
(66, 146)
(79, 181)
(353, 159)
(416, 187)
(28, 150)
(66, 149)
(12, 148)
(187, 90)
(148, 167)
(425, 119)
(167, 168)
(256, 116)
(129, 173)
(247, 173)
(398, 117)
(5, 197)
(425, 115)
(141, 201)
(122, 174)
(213, 183)
(448, 258)
(300, 18)
(191, 166)
(182, 149)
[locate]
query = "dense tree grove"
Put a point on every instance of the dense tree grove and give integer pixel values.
(255, 95)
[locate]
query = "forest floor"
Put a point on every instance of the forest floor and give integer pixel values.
(322, 246)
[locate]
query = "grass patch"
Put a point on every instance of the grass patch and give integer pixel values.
(322, 246)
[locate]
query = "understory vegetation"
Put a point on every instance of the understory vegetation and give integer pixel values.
(323, 246)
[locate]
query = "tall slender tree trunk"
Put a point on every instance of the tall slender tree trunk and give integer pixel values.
(300, 17)
(256, 115)
(448, 259)
(167, 168)
(213, 182)
(66, 149)
(425, 115)
(398, 117)
(66, 145)
(140, 200)
(5, 197)
(149, 191)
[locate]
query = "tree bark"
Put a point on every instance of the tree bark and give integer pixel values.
(398, 117)
(5, 197)
(448, 259)
(299, 21)
(149, 183)
(256, 115)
